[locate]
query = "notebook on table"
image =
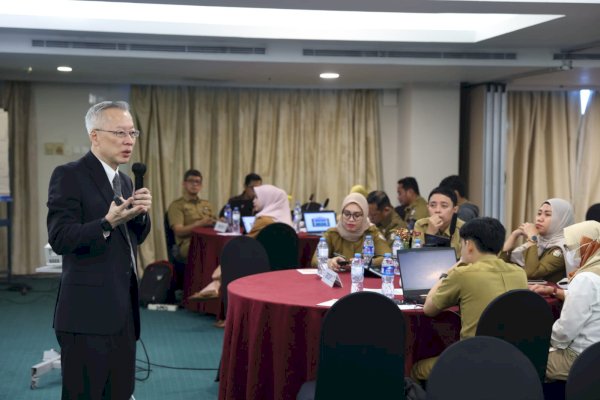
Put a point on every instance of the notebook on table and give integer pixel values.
(421, 268)
(248, 222)
(318, 222)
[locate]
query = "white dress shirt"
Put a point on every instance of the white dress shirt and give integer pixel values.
(579, 324)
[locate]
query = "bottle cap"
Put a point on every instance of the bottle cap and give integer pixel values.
(357, 255)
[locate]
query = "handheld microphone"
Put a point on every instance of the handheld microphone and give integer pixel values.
(139, 170)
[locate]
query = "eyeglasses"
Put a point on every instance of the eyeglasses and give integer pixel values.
(355, 216)
(194, 181)
(121, 134)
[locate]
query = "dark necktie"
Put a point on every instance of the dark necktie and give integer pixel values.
(116, 183)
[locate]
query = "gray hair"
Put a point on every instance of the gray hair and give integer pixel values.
(94, 115)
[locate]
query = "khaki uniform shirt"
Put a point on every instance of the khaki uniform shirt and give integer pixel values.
(184, 212)
(422, 224)
(415, 211)
(389, 225)
(337, 244)
(474, 286)
(549, 266)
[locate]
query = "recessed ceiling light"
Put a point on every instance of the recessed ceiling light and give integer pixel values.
(64, 68)
(329, 75)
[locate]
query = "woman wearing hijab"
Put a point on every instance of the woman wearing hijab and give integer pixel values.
(272, 206)
(348, 236)
(579, 324)
(542, 254)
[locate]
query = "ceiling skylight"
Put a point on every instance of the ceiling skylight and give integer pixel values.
(265, 23)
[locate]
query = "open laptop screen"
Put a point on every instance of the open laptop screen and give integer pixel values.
(319, 222)
(421, 268)
(248, 223)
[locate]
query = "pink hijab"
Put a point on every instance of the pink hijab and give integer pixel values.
(272, 202)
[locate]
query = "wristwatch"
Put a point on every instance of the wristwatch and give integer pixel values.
(106, 226)
(533, 239)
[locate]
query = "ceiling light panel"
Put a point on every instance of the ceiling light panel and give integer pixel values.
(264, 23)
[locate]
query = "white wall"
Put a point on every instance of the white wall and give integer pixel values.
(419, 136)
(58, 112)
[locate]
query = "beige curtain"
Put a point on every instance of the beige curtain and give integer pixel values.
(304, 141)
(15, 97)
(586, 186)
(541, 143)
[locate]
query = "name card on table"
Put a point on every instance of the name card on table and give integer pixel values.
(221, 226)
(331, 278)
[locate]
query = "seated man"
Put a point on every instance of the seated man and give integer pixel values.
(472, 283)
(443, 222)
(415, 207)
(189, 212)
(252, 180)
(466, 210)
(384, 216)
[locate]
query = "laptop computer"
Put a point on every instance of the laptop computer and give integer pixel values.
(421, 268)
(248, 222)
(318, 222)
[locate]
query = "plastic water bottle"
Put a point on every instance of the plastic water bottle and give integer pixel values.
(297, 216)
(368, 251)
(235, 221)
(396, 245)
(417, 244)
(357, 271)
(387, 276)
(228, 216)
(322, 256)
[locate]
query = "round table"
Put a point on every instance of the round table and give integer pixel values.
(271, 342)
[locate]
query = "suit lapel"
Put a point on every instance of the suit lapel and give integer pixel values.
(99, 177)
(104, 186)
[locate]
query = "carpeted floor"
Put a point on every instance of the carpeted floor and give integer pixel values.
(178, 339)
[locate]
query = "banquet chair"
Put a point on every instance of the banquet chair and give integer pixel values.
(583, 382)
(483, 367)
(173, 255)
(361, 350)
(281, 243)
(241, 256)
(524, 319)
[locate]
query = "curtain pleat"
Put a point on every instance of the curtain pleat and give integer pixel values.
(304, 141)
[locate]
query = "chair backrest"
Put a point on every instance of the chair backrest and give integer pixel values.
(241, 256)
(483, 367)
(583, 382)
(524, 319)
(281, 243)
(362, 349)
(311, 206)
(172, 249)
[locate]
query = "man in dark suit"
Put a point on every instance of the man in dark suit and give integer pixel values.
(96, 318)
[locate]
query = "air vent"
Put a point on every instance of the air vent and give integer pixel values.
(61, 44)
(409, 54)
(576, 56)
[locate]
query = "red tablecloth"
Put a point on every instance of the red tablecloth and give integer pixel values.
(203, 258)
(271, 342)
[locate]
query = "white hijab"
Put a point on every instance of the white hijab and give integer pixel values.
(273, 202)
(562, 216)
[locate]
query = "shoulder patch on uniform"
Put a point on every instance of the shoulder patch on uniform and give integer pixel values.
(557, 253)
